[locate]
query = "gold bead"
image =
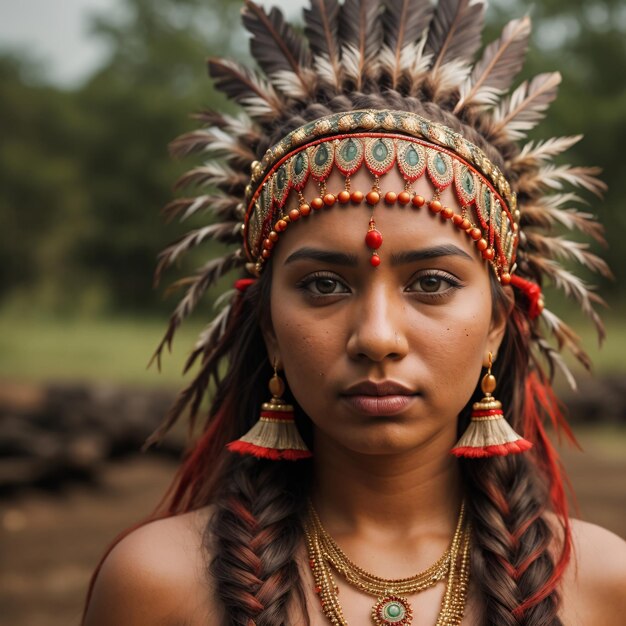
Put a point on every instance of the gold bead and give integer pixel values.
(488, 384)
(277, 386)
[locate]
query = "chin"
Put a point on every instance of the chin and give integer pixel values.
(382, 437)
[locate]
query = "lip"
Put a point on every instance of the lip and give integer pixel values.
(383, 398)
(382, 388)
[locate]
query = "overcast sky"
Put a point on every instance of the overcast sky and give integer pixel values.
(56, 31)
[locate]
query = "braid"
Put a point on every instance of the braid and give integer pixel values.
(510, 558)
(256, 532)
(507, 502)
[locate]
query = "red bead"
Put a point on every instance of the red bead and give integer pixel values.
(305, 209)
(447, 212)
(465, 224)
(329, 199)
(268, 243)
(505, 278)
(391, 197)
(418, 200)
(266, 254)
(404, 197)
(457, 219)
(344, 197)
(294, 215)
(489, 254)
(435, 206)
(273, 235)
(357, 197)
(373, 197)
(317, 203)
(375, 260)
(373, 239)
(280, 226)
(482, 244)
(474, 233)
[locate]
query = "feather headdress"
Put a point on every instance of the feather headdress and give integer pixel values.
(412, 56)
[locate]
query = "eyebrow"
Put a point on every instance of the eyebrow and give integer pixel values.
(411, 256)
(327, 256)
(335, 257)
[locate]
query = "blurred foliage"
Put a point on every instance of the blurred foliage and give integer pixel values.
(84, 173)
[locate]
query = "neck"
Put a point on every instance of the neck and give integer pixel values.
(405, 494)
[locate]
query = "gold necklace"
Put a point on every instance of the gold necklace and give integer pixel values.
(391, 608)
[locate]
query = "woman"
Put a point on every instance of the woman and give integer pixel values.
(395, 238)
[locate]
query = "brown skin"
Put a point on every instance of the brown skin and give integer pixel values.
(386, 487)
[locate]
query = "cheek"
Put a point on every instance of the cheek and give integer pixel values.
(308, 353)
(454, 348)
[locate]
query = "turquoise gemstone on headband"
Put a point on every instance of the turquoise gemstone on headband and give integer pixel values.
(281, 178)
(321, 156)
(487, 197)
(440, 165)
(380, 151)
(349, 151)
(468, 182)
(299, 165)
(412, 157)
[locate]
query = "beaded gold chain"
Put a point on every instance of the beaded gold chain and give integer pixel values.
(392, 607)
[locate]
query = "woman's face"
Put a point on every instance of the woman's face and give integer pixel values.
(422, 319)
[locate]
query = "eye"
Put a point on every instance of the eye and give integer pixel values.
(434, 283)
(320, 285)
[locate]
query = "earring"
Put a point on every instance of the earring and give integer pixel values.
(488, 433)
(275, 436)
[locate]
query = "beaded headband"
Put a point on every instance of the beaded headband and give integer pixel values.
(488, 206)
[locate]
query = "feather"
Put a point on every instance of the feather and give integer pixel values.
(240, 126)
(215, 174)
(565, 337)
(417, 66)
(243, 86)
(197, 286)
(555, 360)
(404, 24)
(545, 150)
(500, 63)
(552, 177)
(223, 207)
(572, 286)
(559, 247)
(525, 107)
(321, 28)
(360, 28)
(277, 47)
(226, 232)
(216, 143)
(454, 32)
(291, 85)
(551, 210)
(448, 78)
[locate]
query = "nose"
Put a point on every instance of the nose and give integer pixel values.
(378, 329)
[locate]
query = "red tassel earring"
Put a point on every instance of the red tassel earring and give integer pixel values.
(489, 434)
(275, 436)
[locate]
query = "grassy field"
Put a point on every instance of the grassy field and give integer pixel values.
(114, 350)
(118, 350)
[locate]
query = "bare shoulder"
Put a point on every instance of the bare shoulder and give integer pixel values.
(594, 584)
(155, 575)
